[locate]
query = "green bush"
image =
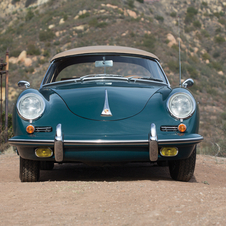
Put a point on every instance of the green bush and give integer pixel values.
(15, 53)
(159, 18)
(84, 15)
(191, 10)
(205, 4)
(32, 50)
(149, 41)
(46, 35)
(130, 3)
(216, 54)
(222, 21)
(173, 66)
(192, 71)
(197, 24)
(173, 14)
(29, 15)
(205, 33)
(141, 1)
(218, 30)
(102, 24)
(205, 56)
(219, 39)
(217, 66)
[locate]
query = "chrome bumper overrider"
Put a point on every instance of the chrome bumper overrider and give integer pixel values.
(153, 142)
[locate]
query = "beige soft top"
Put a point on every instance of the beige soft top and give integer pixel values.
(104, 49)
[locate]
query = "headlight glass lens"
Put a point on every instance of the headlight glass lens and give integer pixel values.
(181, 105)
(30, 106)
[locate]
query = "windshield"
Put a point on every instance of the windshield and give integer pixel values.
(103, 66)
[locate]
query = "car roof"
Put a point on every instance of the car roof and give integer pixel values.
(103, 49)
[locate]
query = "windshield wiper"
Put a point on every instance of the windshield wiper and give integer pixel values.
(98, 75)
(145, 78)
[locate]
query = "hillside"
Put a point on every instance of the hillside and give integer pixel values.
(43, 28)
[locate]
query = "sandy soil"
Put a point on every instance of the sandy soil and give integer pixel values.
(136, 194)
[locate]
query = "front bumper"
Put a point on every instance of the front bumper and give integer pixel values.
(108, 149)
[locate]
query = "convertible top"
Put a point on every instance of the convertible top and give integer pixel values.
(103, 49)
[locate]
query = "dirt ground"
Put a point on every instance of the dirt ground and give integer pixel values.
(135, 194)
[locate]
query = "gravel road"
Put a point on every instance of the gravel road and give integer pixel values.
(134, 194)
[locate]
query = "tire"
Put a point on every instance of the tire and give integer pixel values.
(29, 170)
(183, 170)
(44, 165)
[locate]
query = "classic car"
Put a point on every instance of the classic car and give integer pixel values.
(106, 105)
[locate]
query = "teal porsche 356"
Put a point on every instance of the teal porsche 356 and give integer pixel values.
(106, 104)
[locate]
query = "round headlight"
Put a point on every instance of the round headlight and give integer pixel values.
(30, 106)
(181, 105)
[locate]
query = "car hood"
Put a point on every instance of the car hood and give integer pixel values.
(88, 101)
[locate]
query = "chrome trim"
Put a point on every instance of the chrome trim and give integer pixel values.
(23, 83)
(193, 100)
(58, 136)
(153, 134)
(188, 83)
(106, 110)
(44, 157)
(84, 142)
(24, 96)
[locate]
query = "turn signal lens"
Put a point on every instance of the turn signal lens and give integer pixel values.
(182, 128)
(30, 129)
(43, 152)
(169, 151)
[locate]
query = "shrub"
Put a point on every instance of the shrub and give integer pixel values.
(84, 15)
(217, 66)
(191, 10)
(205, 56)
(130, 3)
(149, 41)
(216, 54)
(141, 1)
(46, 35)
(173, 66)
(32, 50)
(102, 24)
(15, 53)
(197, 24)
(218, 30)
(192, 71)
(29, 15)
(15, 1)
(205, 4)
(159, 18)
(219, 39)
(93, 22)
(222, 21)
(205, 33)
(173, 14)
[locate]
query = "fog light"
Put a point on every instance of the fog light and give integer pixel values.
(30, 129)
(169, 151)
(43, 152)
(182, 128)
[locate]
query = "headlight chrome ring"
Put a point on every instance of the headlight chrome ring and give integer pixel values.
(30, 106)
(181, 105)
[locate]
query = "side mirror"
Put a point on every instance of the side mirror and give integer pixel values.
(23, 84)
(188, 83)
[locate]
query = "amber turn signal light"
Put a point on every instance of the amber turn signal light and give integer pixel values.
(182, 128)
(30, 129)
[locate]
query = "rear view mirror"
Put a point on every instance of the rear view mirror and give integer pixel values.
(104, 63)
(23, 84)
(188, 83)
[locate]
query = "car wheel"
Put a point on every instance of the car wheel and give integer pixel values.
(29, 170)
(44, 165)
(183, 170)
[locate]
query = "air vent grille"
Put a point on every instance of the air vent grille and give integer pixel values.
(168, 128)
(45, 129)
